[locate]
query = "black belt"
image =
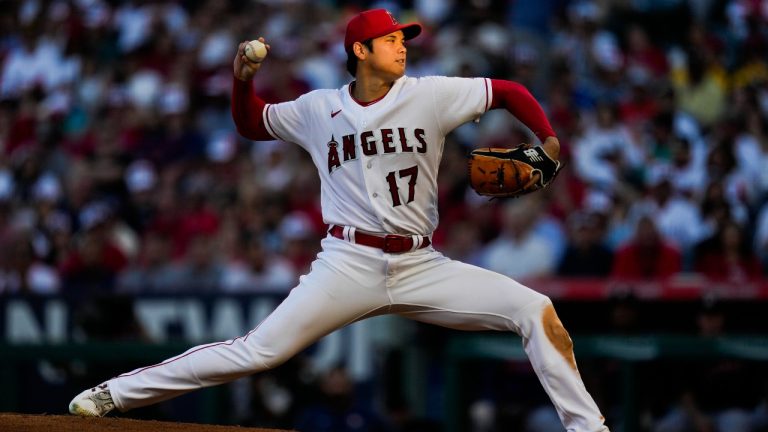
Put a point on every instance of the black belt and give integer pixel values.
(390, 243)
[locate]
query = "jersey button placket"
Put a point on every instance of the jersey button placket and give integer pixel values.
(369, 163)
(369, 173)
(369, 177)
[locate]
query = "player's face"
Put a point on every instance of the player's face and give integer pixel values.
(389, 54)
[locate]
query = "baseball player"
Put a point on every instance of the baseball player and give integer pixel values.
(377, 144)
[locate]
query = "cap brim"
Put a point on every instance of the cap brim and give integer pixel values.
(410, 31)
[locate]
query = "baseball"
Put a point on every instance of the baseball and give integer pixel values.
(255, 51)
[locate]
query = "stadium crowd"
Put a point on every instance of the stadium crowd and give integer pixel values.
(121, 170)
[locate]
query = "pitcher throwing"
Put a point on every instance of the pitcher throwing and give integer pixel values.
(377, 144)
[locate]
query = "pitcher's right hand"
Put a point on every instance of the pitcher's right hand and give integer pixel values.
(243, 68)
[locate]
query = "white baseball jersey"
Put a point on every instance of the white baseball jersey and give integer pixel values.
(378, 166)
(378, 163)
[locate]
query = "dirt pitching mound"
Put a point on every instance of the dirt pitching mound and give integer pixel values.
(10, 422)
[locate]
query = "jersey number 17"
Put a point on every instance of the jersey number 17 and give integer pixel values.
(412, 173)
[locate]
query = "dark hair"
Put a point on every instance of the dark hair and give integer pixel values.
(352, 58)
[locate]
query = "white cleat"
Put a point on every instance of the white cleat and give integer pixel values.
(94, 402)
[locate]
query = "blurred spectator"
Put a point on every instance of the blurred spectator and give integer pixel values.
(452, 192)
(174, 137)
(722, 166)
(585, 254)
(640, 106)
(569, 193)
(615, 208)
(585, 46)
(686, 171)
(699, 91)
(520, 251)
(299, 241)
(717, 210)
(26, 64)
(643, 57)
(95, 261)
(141, 183)
(751, 151)
(197, 216)
(606, 152)
(150, 271)
(676, 217)
(50, 224)
(647, 256)
(200, 270)
(728, 256)
(463, 243)
(684, 125)
(20, 270)
(258, 270)
(678, 150)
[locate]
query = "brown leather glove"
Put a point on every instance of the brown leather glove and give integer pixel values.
(500, 172)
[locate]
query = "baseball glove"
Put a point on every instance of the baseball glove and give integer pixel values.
(500, 172)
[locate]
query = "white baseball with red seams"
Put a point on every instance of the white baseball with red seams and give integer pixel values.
(378, 166)
(255, 51)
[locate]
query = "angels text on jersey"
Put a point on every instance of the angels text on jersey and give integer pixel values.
(372, 143)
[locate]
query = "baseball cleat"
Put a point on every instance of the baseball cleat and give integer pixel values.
(93, 402)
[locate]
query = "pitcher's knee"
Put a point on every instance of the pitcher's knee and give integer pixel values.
(531, 316)
(542, 320)
(558, 335)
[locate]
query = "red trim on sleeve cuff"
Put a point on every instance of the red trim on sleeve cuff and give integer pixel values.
(269, 124)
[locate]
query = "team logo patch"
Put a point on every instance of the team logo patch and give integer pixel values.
(394, 21)
(333, 154)
(533, 155)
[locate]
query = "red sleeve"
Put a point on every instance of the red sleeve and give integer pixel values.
(520, 102)
(247, 111)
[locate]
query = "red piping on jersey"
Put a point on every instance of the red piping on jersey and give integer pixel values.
(245, 338)
(519, 102)
(361, 103)
(269, 123)
(248, 111)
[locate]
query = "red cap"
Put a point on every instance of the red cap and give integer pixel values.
(375, 23)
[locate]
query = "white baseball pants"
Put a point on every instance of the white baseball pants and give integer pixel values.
(350, 282)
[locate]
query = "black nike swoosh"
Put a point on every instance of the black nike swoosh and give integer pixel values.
(333, 114)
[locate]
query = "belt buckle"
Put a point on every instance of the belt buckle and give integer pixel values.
(394, 243)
